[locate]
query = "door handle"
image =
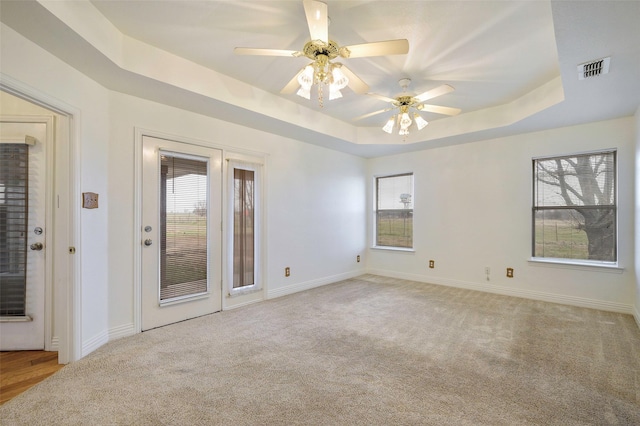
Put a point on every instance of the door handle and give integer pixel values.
(148, 242)
(36, 246)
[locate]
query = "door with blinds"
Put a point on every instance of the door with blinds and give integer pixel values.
(23, 245)
(181, 231)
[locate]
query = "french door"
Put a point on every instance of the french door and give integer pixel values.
(23, 245)
(181, 231)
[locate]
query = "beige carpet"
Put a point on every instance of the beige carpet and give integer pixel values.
(366, 351)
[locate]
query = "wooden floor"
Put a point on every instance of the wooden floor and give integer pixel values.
(20, 370)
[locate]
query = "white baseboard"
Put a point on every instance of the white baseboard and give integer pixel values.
(240, 305)
(294, 288)
(94, 343)
(121, 331)
(636, 315)
(508, 291)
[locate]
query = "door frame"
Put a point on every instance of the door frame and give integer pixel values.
(137, 222)
(64, 168)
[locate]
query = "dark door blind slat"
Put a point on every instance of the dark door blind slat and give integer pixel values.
(14, 207)
(183, 227)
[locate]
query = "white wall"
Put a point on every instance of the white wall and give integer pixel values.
(473, 209)
(32, 66)
(314, 201)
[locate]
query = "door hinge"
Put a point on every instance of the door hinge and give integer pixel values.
(72, 250)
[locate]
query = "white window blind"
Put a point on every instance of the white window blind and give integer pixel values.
(183, 226)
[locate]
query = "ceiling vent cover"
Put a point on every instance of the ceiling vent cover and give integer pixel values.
(593, 68)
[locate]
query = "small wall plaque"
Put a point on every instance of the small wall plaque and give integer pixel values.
(89, 200)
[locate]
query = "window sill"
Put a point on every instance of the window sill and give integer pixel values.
(24, 318)
(576, 264)
(389, 248)
(244, 291)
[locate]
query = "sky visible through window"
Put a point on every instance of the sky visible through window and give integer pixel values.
(186, 193)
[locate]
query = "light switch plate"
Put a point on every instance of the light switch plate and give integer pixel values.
(89, 200)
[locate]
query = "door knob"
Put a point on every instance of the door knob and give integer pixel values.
(36, 246)
(148, 242)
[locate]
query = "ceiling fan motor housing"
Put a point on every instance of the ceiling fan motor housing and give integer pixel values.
(317, 47)
(404, 101)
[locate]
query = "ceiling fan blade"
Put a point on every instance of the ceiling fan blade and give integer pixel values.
(439, 109)
(382, 98)
(355, 83)
(317, 20)
(378, 48)
(372, 114)
(265, 52)
(292, 85)
(438, 91)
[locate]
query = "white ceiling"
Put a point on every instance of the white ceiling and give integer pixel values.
(512, 63)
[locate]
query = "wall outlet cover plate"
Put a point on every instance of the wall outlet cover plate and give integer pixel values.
(89, 200)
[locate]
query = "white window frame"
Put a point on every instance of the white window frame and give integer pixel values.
(375, 212)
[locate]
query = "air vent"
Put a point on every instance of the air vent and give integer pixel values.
(593, 68)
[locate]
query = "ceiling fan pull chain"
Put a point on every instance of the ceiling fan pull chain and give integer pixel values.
(320, 98)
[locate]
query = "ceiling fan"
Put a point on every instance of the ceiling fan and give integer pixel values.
(321, 50)
(404, 102)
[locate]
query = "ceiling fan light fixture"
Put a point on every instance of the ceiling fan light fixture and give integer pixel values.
(421, 123)
(405, 121)
(306, 77)
(304, 92)
(389, 126)
(339, 80)
(334, 93)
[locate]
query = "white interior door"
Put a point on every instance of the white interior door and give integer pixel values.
(181, 231)
(23, 243)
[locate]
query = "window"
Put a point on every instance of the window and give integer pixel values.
(574, 207)
(394, 211)
(14, 217)
(183, 226)
(244, 230)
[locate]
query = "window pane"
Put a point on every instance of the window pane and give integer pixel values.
(395, 192)
(394, 211)
(243, 228)
(183, 217)
(562, 233)
(574, 207)
(14, 208)
(581, 180)
(395, 228)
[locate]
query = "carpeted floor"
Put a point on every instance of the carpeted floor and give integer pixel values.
(365, 351)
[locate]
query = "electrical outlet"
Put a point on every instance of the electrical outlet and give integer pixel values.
(287, 271)
(509, 272)
(89, 200)
(358, 259)
(432, 264)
